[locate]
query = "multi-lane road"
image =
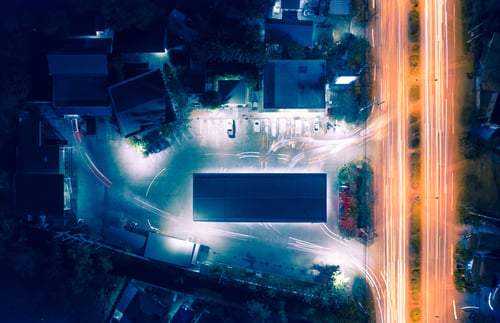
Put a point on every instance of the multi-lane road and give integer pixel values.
(389, 37)
(439, 49)
(438, 46)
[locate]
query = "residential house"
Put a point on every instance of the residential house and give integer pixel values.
(141, 103)
(294, 84)
(281, 32)
(234, 93)
(41, 189)
(79, 71)
(178, 30)
(339, 7)
(142, 49)
(137, 305)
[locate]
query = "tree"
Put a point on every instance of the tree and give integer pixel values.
(258, 311)
(211, 100)
(127, 14)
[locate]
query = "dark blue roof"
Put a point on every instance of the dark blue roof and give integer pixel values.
(77, 90)
(233, 91)
(280, 31)
(39, 194)
(78, 64)
(151, 40)
(141, 103)
(340, 7)
(294, 84)
(273, 197)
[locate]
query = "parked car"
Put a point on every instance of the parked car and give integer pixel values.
(230, 128)
(256, 126)
(266, 125)
(316, 125)
(282, 126)
(298, 127)
(274, 127)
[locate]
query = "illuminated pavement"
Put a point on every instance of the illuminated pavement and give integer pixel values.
(156, 191)
(441, 44)
(389, 38)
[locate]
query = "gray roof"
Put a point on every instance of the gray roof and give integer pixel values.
(141, 103)
(233, 91)
(77, 90)
(273, 197)
(78, 64)
(294, 84)
(280, 31)
(340, 7)
(39, 194)
(170, 250)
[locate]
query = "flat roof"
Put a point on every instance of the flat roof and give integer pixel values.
(259, 197)
(294, 84)
(39, 194)
(168, 249)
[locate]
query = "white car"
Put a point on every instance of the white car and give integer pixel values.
(282, 126)
(316, 125)
(307, 127)
(298, 127)
(230, 128)
(266, 125)
(274, 127)
(256, 126)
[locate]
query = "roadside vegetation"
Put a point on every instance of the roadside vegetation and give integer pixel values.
(415, 259)
(329, 298)
(355, 182)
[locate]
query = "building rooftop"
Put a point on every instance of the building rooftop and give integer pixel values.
(340, 7)
(151, 40)
(280, 31)
(39, 194)
(233, 92)
(294, 84)
(273, 197)
(141, 103)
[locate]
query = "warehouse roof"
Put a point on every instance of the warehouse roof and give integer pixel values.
(273, 197)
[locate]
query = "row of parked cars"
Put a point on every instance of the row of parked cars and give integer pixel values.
(275, 126)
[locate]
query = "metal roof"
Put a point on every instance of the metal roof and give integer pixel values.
(141, 103)
(294, 84)
(251, 197)
(170, 250)
(39, 194)
(78, 64)
(281, 31)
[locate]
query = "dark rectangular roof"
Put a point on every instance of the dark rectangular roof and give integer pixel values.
(78, 64)
(33, 154)
(233, 91)
(85, 45)
(141, 103)
(340, 7)
(77, 90)
(168, 249)
(280, 31)
(274, 197)
(294, 84)
(151, 40)
(39, 194)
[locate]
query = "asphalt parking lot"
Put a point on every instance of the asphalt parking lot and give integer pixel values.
(115, 183)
